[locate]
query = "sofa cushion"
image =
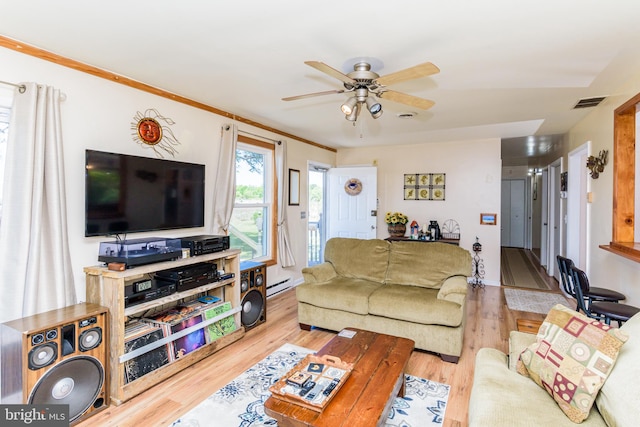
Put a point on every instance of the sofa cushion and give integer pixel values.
(618, 398)
(340, 293)
(426, 264)
(571, 359)
(358, 258)
(500, 397)
(415, 304)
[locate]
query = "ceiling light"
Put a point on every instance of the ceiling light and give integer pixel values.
(353, 115)
(375, 108)
(348, 107)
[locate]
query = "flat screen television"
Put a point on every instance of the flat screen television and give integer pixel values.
(128, 194)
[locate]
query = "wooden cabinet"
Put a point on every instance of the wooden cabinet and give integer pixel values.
(107, 288)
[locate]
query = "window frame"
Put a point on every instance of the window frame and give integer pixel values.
(271, 258)
(624, 179)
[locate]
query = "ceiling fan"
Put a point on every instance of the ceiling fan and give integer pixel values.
(362, 81)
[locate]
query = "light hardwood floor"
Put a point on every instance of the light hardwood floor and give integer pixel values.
(488, 324)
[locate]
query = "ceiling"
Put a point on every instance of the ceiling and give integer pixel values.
(508, 69)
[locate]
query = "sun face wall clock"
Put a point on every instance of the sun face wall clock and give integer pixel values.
(151, 130)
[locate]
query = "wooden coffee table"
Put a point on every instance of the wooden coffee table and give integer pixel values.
(366, 397)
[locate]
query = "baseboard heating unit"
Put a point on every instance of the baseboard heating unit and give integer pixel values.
(278, 287)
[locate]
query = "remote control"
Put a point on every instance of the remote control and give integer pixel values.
(314, 392)
(327, 391)
(306, 388)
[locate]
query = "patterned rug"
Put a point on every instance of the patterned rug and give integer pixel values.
(516, 269)
(533, 301)
(241, 402)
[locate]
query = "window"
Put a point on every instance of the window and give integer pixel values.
(254, 216)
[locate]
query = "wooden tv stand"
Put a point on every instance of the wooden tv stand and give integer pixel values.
(107, 288)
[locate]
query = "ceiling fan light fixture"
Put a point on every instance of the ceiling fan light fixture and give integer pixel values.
(349, 106)
(375, 108)
(353, 115)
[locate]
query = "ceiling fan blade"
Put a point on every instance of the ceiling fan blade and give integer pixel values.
(309, 95)
(321, 66)
(422, 70)
(403, 98)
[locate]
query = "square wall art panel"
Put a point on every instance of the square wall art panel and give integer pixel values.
(424, 186)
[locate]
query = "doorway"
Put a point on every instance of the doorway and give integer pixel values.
(513, 213)
(555, 228)
(316, 220)
(577, 207)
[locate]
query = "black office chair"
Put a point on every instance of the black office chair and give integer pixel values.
(602, 310)
(592, 294)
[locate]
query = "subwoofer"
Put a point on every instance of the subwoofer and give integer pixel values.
(253, 293)
(57, 357)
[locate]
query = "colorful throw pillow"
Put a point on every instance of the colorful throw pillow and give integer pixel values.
(571, 359)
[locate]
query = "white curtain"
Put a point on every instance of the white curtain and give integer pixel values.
(285, 254)
(224, 190)
(36, 274)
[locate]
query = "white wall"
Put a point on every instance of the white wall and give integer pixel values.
(473, 171)
(605, 268)
(97, 114)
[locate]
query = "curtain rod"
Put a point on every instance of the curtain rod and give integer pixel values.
(260, 136)
(21, 88)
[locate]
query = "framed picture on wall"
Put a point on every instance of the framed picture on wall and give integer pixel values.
(294, 187)
(488, 218)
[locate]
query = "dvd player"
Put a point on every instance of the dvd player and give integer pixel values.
(188, 276)
(205, 244)
(147, 290)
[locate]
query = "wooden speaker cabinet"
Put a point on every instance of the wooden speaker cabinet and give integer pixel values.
(253, 293)
(57, 357)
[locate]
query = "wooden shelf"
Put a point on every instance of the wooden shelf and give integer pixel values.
(107, 288)
(145, 306)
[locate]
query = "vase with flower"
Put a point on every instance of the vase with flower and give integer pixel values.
(396, 223)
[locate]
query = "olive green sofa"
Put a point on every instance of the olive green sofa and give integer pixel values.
(411, 289)
(501, 397)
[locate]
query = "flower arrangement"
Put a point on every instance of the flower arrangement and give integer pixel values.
(396, 218)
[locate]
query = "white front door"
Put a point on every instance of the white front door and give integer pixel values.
(351, 214)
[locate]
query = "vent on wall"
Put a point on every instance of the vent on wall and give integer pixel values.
(589, 102)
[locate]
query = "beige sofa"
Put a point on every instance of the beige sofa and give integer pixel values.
(502, 397)
(415, 290)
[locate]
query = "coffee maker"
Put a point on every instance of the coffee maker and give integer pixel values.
(434, 230)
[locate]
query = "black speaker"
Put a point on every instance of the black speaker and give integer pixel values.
(253, 293)
(57, 357)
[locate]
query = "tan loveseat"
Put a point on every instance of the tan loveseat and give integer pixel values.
(415, 290)
(502, 397)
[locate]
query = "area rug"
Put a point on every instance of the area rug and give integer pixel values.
(516, 269)
(532, 301)
(241, 402)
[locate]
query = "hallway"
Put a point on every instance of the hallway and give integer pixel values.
(534, 259)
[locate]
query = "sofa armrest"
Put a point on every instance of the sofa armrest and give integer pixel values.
(319, 273)
(518, 341)
(454, 289)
